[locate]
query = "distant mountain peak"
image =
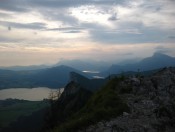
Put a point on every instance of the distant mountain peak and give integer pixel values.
(63, 66)
(156, 61)
(158, 54)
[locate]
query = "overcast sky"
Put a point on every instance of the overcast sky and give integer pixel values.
(45, 31)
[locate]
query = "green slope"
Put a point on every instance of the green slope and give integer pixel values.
(103, 105)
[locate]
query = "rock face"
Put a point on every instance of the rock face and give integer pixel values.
(88, 84)
(72, 99)
(152, 104)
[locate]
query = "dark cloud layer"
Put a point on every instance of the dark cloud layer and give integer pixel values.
(171, 37)
(14, 5)
(73, 3)
(137, 35)
(58, 15)
(162, 49)
(35, 25)
(73, 31)
(96, 29)
(26, 5)
(139, 26)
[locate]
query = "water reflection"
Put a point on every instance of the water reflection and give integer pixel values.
(33, 94)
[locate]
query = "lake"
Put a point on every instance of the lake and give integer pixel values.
(33, 94)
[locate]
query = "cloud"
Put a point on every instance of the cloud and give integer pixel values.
(171, 37)
(57, 15)
(127, 35)
(113, 17)
(72, 3)
(5, 15)
(24, 6)
(101, 26)
(162, 49)
(137, 22)
(108, 37)
(14, 5)
(65, 29)
(73, 31)
(34, 25)
(6, 39)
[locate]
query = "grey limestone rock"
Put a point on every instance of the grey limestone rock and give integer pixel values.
(152, 104)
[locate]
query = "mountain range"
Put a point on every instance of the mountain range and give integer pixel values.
(57, 76)
(25, 68)
(85, 65)
(158, 60)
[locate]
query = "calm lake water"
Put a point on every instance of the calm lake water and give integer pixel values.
(33, 94)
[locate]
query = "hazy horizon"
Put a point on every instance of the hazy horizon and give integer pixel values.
(45, 32)
(109, 62)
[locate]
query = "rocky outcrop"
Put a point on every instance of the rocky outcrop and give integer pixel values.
(73, 98)
(152, 105)
(88, 84)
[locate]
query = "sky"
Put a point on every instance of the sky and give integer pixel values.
(36, 32)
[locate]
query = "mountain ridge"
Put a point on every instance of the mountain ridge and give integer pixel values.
(156, 61)
(124, 103)
(58, 76)
(143, 104)
(55, 77)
